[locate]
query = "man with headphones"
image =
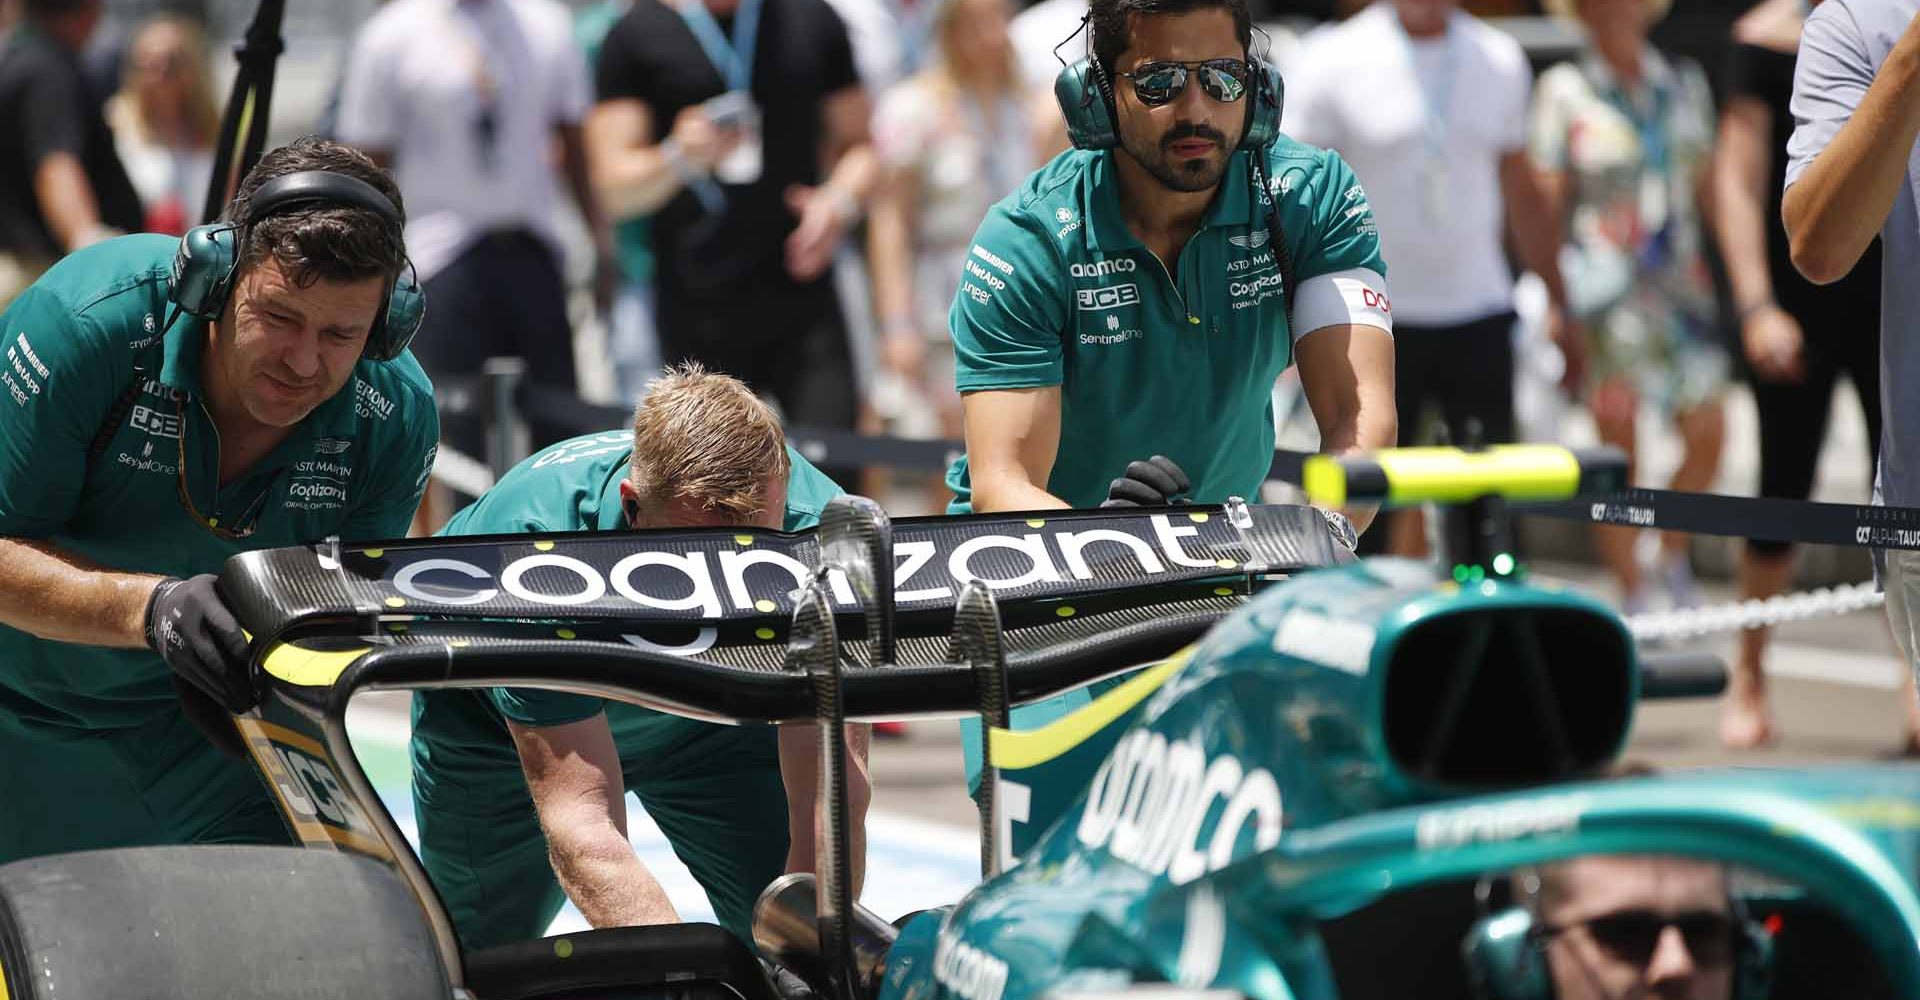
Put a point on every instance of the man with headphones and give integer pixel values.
(169, 403)
(1611, 927)
(1126, 312)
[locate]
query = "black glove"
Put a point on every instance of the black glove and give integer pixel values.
(200, 640)
(210, 717)
(1155, 482)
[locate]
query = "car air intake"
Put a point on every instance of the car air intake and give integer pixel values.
(1516, 697)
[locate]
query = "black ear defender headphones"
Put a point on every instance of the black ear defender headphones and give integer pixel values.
(1505, 952)
(1086, 100)
(204, 265)
(1085, 94)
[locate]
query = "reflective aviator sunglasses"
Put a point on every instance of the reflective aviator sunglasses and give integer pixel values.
(1156, 83)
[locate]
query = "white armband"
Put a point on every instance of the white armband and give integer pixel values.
(1356, 296)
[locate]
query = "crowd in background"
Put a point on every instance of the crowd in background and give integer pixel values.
(810, 240)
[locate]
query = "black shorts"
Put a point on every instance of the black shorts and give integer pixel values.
(1841, 335)
(1455, 374)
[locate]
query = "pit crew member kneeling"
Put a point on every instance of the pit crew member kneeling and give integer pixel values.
(1126, 312)
(171, 402)
(494, 768)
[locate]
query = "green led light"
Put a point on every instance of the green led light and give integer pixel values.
(1459, 574)
(1476, 574)
(1503, 564)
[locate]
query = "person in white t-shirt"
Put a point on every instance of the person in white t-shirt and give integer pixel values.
(465, 100)
(1438, 136)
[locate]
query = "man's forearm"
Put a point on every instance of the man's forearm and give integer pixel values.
(1742, 232)
(66, 200)
(1835, 208)
(890, 257)
(1003, 493)
(1369, 429)
(636, 182)
(1536, 233)
(59, 596)
(800, 773)
(601, 875)
(854, 174)
(580, 183)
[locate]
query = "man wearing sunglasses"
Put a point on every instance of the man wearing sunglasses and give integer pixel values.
(1123, 316)
(1129, 302)
(169, 403)
(1619, 926)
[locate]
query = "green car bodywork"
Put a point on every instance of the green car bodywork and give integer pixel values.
(1359, 731)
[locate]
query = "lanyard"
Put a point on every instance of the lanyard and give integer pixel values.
(1651, 127)
(733, 59)
(1435, 106)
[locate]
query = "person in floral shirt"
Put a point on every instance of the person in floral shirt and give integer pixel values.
(1623, 136)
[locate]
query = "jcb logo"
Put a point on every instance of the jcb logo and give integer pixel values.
(1096, 299)
(313, 791)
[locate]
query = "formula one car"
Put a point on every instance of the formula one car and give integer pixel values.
(1305, 797)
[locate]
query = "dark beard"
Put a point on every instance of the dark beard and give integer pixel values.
(1184, 175)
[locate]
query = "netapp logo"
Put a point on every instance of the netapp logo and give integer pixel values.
(1108, 297)
(1103, 268)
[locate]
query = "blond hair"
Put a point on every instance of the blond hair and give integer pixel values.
(202, 115)
(706, 440)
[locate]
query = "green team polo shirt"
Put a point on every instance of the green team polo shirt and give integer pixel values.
(355, 467)
(1058, 291)
(570, 486)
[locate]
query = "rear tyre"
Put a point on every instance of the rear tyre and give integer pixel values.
(211, 923)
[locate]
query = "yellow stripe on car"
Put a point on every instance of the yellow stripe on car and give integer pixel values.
(304, 667)
(1031, 747)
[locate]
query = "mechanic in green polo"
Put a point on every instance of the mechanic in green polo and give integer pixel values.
(169, 403)
(494, 768)
(1136, 298)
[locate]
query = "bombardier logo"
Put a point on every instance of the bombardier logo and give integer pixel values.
(1110, 297)
(1150, 801)
(1103, 268)
(992, 258)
